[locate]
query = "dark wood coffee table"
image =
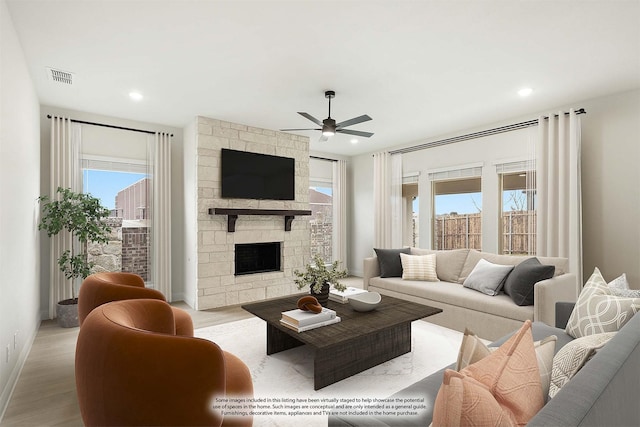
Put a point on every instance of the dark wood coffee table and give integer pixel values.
(359, 342)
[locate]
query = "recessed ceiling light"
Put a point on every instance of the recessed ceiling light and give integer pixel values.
(354, 141)
(525, 91)
(136, 96)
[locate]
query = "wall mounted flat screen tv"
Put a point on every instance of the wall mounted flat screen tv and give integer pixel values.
(247, 175)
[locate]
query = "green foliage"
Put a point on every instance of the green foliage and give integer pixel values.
(83, 216)
(317, 273)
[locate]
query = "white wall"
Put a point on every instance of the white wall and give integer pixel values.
(610, 179)
(19, 189)
(100, 133)
(190, 210)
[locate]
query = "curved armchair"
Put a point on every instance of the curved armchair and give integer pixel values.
(100, 288)
(132, 370)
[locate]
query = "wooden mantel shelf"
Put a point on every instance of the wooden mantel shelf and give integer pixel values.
(232, 215)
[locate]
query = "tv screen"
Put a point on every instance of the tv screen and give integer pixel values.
(247, 175)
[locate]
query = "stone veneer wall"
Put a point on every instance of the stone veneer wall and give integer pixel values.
(217, 284)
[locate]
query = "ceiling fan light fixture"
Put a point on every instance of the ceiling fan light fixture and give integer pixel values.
(328, 131)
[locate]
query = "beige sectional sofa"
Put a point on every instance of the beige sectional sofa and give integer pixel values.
(490, 317)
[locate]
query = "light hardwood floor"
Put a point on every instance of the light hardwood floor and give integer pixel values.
(45, 394)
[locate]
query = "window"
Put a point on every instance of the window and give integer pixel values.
(518, 213)
(457, 207)
(321, 204)
(122, 186)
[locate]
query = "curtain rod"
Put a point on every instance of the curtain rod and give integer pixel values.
(322, 158)
(480, 134)
(150, 132)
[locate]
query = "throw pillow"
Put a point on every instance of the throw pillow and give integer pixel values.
(520, 282)
(620, 287)
(487, 277)
(419, 267)
(501, 389)
(389, 261)
(598, 311)
(473, 349)
(573, 356)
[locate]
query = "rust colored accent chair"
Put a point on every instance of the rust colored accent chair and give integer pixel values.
(100, 288)
(133, 370)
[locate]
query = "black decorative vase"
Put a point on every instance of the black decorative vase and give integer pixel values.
(323, 295)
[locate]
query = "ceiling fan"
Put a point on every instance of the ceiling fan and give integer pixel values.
(329, 127)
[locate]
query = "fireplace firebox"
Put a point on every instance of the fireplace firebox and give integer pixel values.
(254, 258)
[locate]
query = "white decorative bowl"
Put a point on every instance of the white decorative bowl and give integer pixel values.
(365, 301)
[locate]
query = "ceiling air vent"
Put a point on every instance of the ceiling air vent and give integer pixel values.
(60, 76)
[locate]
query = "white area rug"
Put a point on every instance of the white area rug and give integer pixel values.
(289, 374)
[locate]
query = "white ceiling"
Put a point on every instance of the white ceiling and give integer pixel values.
(419, 68)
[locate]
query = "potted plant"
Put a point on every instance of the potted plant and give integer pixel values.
(82, 215)
(319, 277)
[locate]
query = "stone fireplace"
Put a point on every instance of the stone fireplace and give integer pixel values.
(221, 276)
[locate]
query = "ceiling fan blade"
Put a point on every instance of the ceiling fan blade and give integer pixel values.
(355, 132)
(354, 121)
(286, 130)
(323, 138)
(310, 117)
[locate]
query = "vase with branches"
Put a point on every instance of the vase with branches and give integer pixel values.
(83, 216)
(319, 276)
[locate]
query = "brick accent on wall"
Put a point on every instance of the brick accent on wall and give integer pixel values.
(217, 285)
(135, 251)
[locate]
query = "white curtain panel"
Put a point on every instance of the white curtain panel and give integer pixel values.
(160, 215)
(340, 211)
(387, 200)
(66, 140)
(395, 200)
(559, 194)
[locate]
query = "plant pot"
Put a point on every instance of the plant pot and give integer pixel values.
(323, 295)
(67, 313)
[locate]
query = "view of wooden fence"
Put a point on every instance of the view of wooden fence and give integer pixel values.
(455, 231)
(519, 232)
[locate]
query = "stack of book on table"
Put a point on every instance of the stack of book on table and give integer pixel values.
(343, 296)
(300, 320)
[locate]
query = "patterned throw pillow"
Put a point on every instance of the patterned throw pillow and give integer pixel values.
(419, 267)
(501, 389)
(620, 287)
(573, 356)
(598, 311)
(487, 277)
(473, 349)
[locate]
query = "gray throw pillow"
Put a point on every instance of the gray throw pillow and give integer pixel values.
(487, 277)
(389, 261)
(520, 282)
(620, 287)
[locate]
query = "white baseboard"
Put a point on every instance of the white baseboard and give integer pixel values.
(7, 391)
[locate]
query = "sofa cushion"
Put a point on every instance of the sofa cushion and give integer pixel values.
(457, 295)
(419, 267)
(561, 264)
(598, 311)
(501, 389)
(487, 277)
(449, 263)
(572, 357)
(520, 282)
(389, 261)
